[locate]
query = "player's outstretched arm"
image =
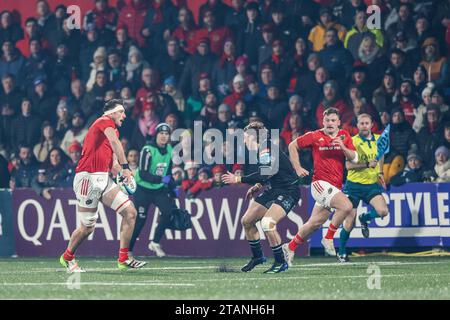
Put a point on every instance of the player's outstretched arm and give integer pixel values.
(295, 159)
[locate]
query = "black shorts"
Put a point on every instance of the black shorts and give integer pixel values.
(286, 198)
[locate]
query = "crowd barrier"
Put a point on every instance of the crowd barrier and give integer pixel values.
(32, 226)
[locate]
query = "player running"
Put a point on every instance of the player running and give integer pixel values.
(272, 205)
(102, 153)
(331, 146)
(363, 183)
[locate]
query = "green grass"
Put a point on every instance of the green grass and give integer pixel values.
(189, 278)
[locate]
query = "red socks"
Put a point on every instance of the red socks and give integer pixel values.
(331, 231)
(123, 254)
(295, 242)
(68, 255)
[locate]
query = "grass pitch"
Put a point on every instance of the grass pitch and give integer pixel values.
(220, 278)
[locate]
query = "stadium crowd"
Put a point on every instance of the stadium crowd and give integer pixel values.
(279, 61)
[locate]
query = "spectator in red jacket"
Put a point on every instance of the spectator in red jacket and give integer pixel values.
(150, 83)
(104, 17)
(239, 88)
(216, 35)
(204, 182)
(332, 99)
(190, 167)
(32, 30)
(185, 32)
(132, 16)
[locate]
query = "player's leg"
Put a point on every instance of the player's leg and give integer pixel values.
(319, 216)
(347, 227)
(269, 225)
(142, 200)
(343, 208)
(380, 210)
(254, 213)
(166, 205)
(117, 200)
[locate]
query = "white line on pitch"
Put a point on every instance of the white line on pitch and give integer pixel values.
(14, 284)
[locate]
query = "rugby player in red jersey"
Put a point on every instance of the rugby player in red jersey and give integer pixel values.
(331, 147)
(102, 153)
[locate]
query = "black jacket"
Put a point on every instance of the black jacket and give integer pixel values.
(195, 65)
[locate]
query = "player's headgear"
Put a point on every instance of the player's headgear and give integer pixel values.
(162, 127)
(113, 105)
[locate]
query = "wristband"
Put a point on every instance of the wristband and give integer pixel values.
(125, 166)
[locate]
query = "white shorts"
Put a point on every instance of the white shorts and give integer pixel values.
(322, 192)
(89, 187)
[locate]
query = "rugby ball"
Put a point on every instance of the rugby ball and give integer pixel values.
(127, 187)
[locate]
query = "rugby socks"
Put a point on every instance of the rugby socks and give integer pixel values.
(331, 231)
(295, 242)
(368, 216)
(343, 237)
(68, 255)
(255, 246)
(278, 254)
(123, 254)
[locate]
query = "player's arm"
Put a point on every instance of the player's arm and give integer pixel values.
(294, 158)
(116, 167)
(347, 148)
(117, 148)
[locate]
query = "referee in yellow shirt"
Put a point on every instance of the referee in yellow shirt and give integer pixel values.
(364, 181)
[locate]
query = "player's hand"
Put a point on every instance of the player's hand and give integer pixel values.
(373, 163)
(229, 178)
(339, 142)
(381, 181)
(126, 174)
(302, 172)
(46, 194)
(251, 192)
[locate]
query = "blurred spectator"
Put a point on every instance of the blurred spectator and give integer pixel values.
(134, 66)
(204, 182)
(240, 116)
(409, 48)
(293, 129)
(89, 45)
(52, 173)
(171, 62)
(248, 34)
(26, 127)
(11, 61)
(170, 88)
(99, 64)
(43, 100)
(399, 66)
(407, 100)
(217, 171)
(76, 96)
(133, 159)
(402, 139)
(93, 101)
(172, 120)
(219, 9)
(185, 30)
(70, 37)
(334, 57)
(265, 46)
(196, 100)
(190, 167)
(300, 68)
(32, 31)
(159, 20)
(280, 62)
(122, 42)
(384, 95)
(74, 155)
(413, 172)
(132, 16)
(273, 106)
(237, 94)
(145, 126)
(10, 93)
(47, 141)
(331, 99)
(420, 112)
(223, 118)
(45, 17)
(76, 132)
(23, 176)
(359, 105)
(238, 170)
(428, 135)
(37, 65)
(208, 113)
(9, 30)
(177, 175)
(420, 80)
(441, 171)
(435, 64)
(371, 55)
(326, 22)
(104, 17)
(62, 71)
(115, 70)
(405, 23)
(224, 69)
(6, 134)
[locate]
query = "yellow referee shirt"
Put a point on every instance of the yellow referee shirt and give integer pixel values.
(367, 151)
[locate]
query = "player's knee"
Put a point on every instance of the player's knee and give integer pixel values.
(246, 222)
(131, 213)
(347, 207)
(268, 224)
(383, 212)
